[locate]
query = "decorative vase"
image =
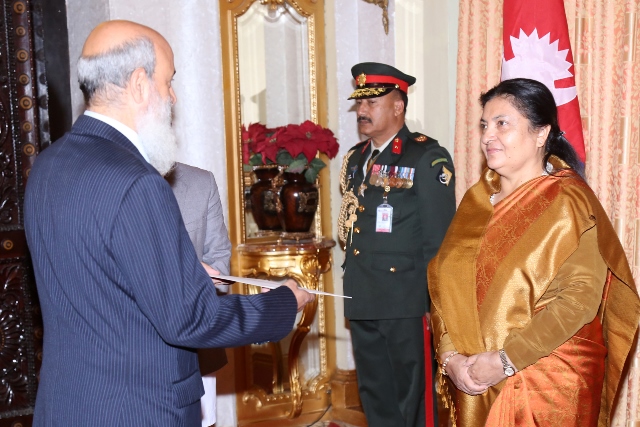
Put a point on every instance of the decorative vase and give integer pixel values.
(263, 198)
(298, 203)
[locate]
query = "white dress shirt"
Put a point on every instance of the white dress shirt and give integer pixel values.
(129, 133)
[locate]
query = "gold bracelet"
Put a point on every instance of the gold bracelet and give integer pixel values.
(446, 361)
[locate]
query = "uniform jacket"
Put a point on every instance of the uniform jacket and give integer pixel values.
(385, 273)
(124, 298)
(199, 201)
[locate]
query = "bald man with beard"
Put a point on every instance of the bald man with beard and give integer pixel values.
(125, 301)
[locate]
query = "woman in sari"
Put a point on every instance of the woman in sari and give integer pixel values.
(534, 308)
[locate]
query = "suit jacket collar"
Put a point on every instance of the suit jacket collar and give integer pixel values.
(173, 176)
(86, 125)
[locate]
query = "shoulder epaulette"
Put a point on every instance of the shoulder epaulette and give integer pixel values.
(417, 136)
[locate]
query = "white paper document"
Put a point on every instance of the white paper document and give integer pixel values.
(270, 284)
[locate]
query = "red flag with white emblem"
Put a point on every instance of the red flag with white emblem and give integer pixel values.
(536, 46)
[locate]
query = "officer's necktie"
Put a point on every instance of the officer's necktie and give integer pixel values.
(372, 159)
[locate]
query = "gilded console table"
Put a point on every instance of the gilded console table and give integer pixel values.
(304, 261)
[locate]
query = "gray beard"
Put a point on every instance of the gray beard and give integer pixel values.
(157, 135)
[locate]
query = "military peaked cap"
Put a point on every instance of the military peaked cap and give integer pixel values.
(374, 79)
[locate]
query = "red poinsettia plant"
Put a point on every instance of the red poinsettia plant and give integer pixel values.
(293, 146)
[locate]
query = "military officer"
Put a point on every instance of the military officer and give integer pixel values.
(398, 200)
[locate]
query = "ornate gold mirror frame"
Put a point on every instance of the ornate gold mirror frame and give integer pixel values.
(253, 403)
(230, 10)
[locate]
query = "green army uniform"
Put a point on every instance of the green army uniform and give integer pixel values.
(385, 272)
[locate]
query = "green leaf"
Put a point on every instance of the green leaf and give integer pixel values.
(247, 168)
(317, 163)
(255, 160)
(297, 166)
(311, 174)
(284, 158)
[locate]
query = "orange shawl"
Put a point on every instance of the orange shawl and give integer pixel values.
(554, 213)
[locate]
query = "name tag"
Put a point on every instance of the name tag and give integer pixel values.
(384, 218)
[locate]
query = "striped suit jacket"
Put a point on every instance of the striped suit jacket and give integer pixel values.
(124, 298)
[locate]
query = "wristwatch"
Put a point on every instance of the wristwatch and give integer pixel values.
(508, 369)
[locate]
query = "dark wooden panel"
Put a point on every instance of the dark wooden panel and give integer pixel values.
(24, 130)
(56, 55)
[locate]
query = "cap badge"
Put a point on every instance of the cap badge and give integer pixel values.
(397, 146)
(362, 79)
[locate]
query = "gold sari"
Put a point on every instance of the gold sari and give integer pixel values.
(491, 277)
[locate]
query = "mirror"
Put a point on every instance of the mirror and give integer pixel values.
(274, 74)
(273, 64)
(273, 61)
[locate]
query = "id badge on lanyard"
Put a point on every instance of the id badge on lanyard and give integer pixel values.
(384, 218)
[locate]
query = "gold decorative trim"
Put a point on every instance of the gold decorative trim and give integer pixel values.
(368, 91)
(312, 70)
(19, 7)
(255, 406)
(22, 55)
(345, 400)
(348, 205)
(25, 102)
(306, 263)
(384, 4)
(7, 244)
(29, 149)
(273, 4)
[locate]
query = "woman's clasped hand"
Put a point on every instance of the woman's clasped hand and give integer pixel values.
(476, 373)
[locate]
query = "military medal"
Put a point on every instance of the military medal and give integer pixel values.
(398, 178)
(374, 174)
(380, 177)
(392, 180)
(385, 176)
(403, 179)
(392, 176)
(411, 173)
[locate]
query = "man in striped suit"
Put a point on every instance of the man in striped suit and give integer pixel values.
(198, 198)
(124, 298)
